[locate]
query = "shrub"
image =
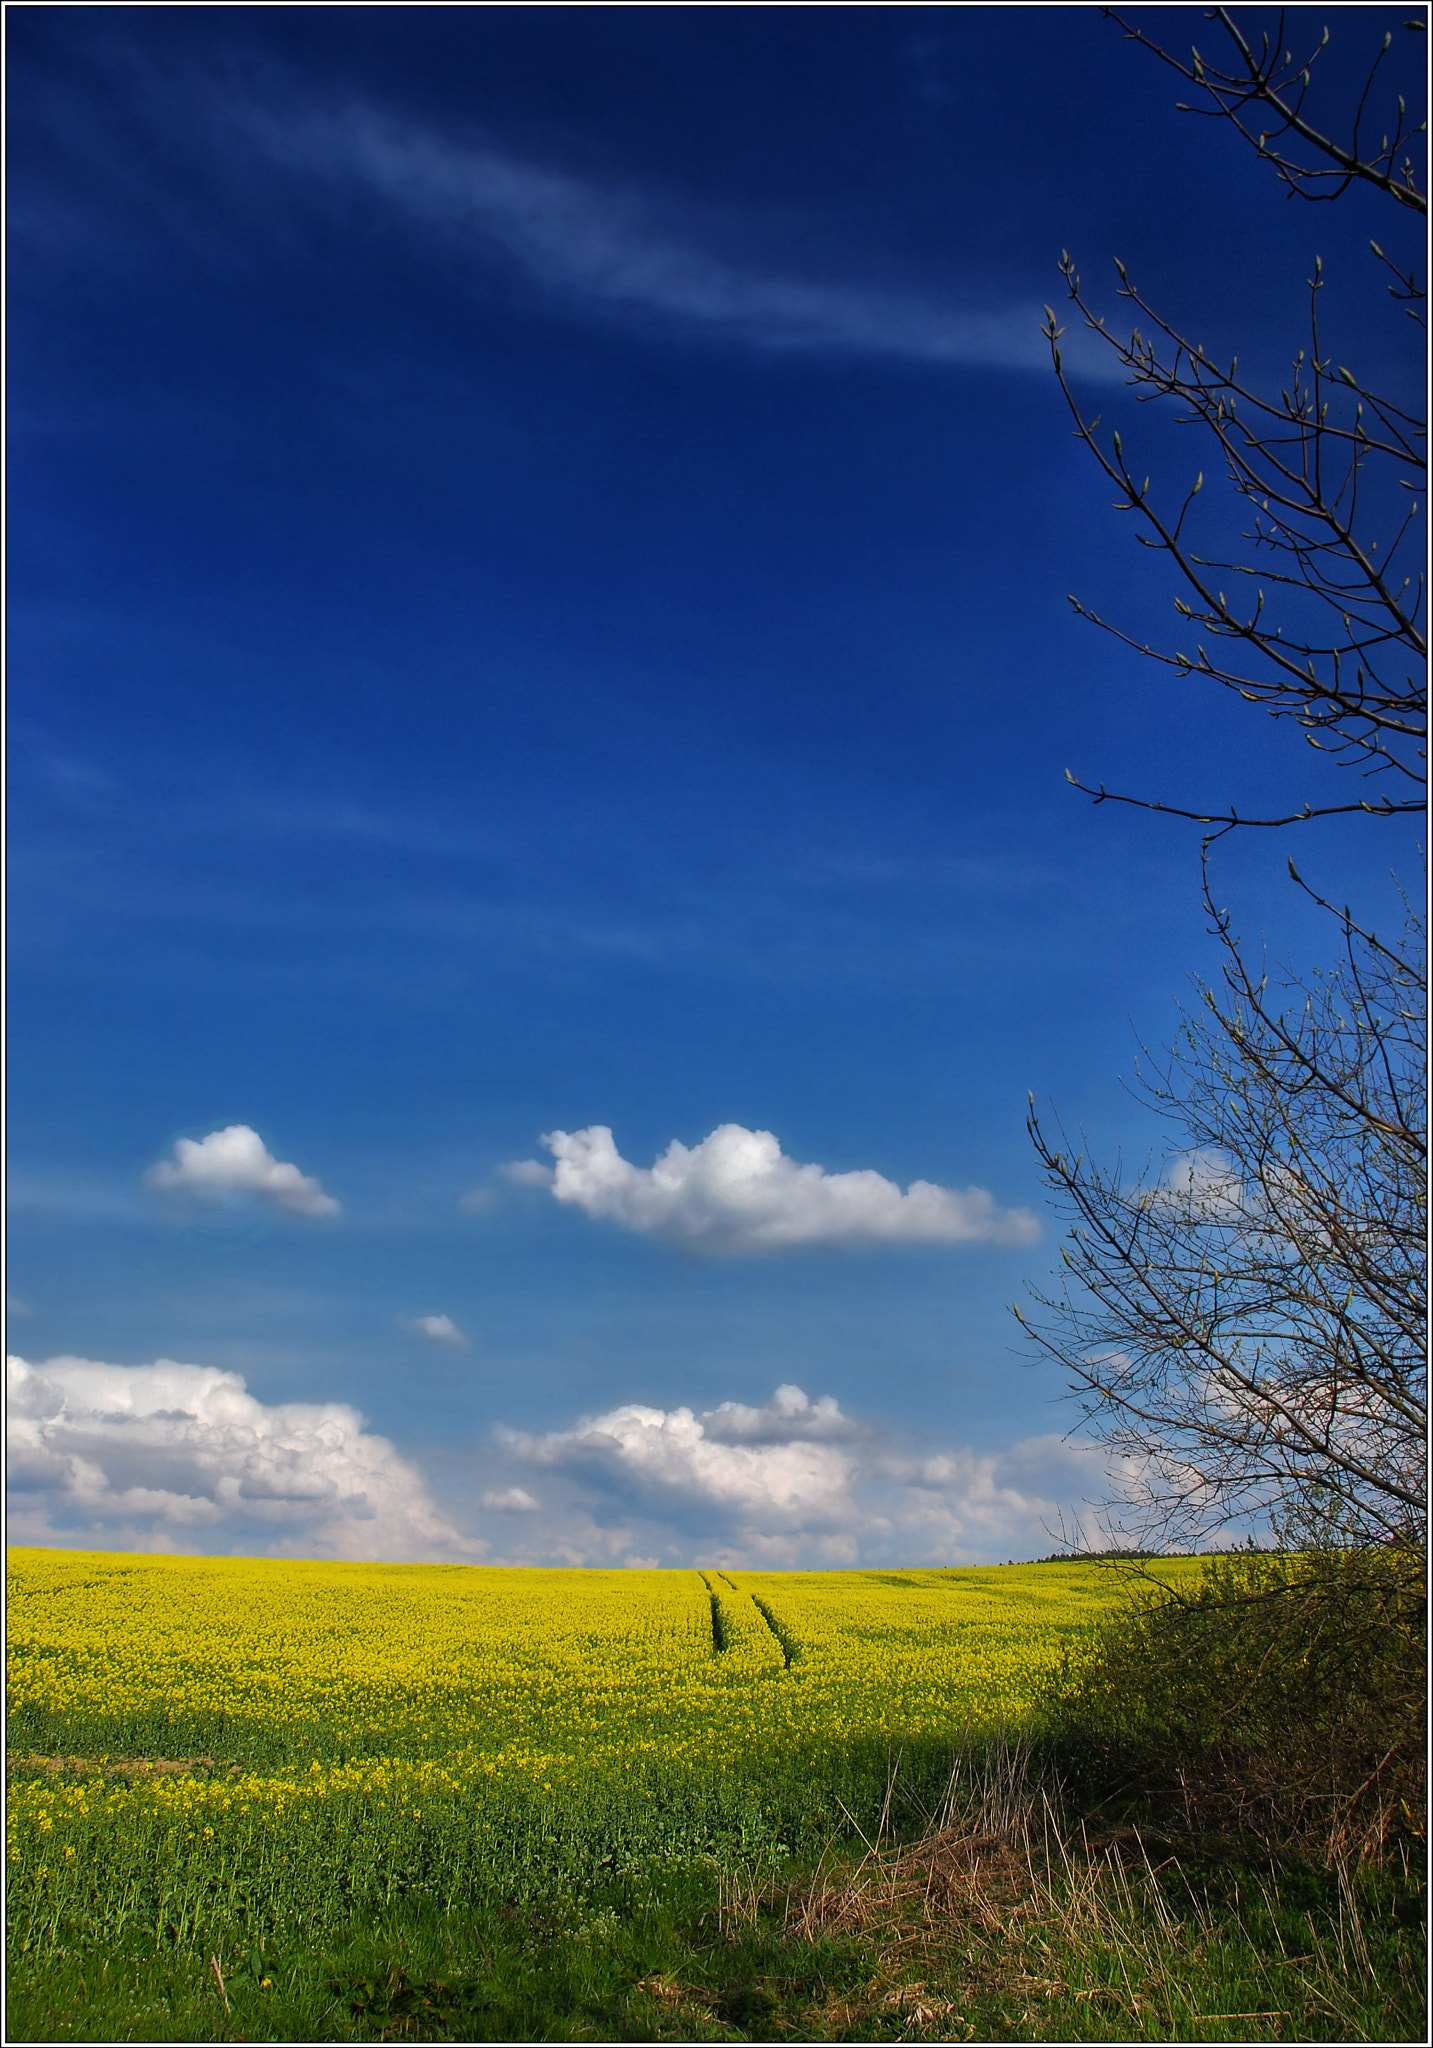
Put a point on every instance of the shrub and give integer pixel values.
(1279, 1699)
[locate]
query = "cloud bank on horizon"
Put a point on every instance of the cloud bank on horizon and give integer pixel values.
(737, 1191)
(797, 1483)
(236, 1161)
(182, 1457)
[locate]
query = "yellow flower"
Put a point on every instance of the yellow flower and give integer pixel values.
(454, 1693)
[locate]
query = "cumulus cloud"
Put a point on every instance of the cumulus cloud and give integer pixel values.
(172, 1456)
(789, 1413)
(738, 1192)
(960, 1503)
(236, 1161)
(438, 1330)
(668, 1454)
(509, 1500)
(1199, 1183)
(797, 1482)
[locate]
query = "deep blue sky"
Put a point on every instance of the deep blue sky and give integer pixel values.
(540, 543)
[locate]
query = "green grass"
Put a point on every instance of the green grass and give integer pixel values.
(339, 1738)
(601, 1848)
(696, 1952)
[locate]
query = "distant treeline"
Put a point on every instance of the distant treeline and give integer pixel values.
(1130, 1556)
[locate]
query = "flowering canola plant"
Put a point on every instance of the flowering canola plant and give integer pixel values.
(194, 1739)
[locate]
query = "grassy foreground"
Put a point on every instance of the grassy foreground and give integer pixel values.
(272, 1801)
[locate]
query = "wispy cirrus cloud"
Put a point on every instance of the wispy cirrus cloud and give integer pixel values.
(591, 245)
(737, 1191)
(741, 272)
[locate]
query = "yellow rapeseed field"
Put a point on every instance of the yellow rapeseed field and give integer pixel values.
(196, 1736)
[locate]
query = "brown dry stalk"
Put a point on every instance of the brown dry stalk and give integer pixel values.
(219, 1979)
(122, 1767)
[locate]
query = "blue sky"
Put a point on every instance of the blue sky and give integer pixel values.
(541, 543)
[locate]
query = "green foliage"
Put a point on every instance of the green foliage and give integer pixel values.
(1280, 1699)
(196, 1740)
(420, 1896)
(1094, 1954)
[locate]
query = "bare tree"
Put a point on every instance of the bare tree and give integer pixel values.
(1246, 1328)
(1318, 621)
(1264, 96)
(1246, 1332)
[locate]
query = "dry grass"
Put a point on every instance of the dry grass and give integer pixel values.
(131, 1768)
(1003, 1905)
(975, 1862)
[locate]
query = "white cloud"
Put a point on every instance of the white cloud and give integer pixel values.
(236, 1161)
(171, 1456)
(797, 1483)
(1008, 1503)
(527, 1173)
(738, 1192)
(596, 246)
(1201, 1183)
(670, 1453)
(787, 1414)
(438, 1330)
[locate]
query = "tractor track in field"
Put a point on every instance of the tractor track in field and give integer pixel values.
(788, 1652)
(718, 1632)
(719, 1635)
